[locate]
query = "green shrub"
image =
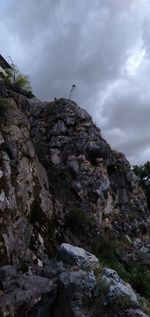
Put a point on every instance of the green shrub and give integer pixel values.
(139, 278)
(120, 304)
(143, 174)
(111, 252)
(20, 82)
(77, 220)
(23, 82)
(108, 250)
(9, 77)
(145, 304)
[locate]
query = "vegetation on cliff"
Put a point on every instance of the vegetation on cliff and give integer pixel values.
(143, 174)
(18, 82)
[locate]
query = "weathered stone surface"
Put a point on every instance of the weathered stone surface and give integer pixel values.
(75, 287)
(24, 192)
(78, 256)
(22, 295)
(3, 91)
(7, 272)
(61, 182)
(117, 287)
(135, 313)
(53, 268)
(65, 290)
(83, 169)
(79, 281)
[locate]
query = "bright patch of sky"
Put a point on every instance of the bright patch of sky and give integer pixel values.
(5, 4)
(134, 61)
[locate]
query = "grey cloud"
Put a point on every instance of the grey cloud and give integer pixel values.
(87, 43)
(127, 113)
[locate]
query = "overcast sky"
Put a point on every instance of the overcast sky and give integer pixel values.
(102, 46)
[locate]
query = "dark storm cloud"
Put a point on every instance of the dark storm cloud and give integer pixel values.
(72, 41)
(127, 111)
(98, 45)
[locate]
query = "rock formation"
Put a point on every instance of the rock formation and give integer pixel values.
(84, 171)
(60, 181)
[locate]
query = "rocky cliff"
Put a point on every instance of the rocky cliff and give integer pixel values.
(60, 181)
(84, 172)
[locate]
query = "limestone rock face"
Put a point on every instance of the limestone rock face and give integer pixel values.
(22, 294)
(77, 256)
(67, 291)
(60, 182)
(117, 287)
(135, 313)
(25, 201)
(84, 172)
(3, 91)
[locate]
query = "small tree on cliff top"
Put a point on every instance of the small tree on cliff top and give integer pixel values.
(19, 79)
(18, 82)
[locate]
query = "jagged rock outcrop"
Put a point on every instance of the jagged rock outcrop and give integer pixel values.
(68, 290)
(61, 182)
(24, 190)
(84, 172)
(78, 256)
